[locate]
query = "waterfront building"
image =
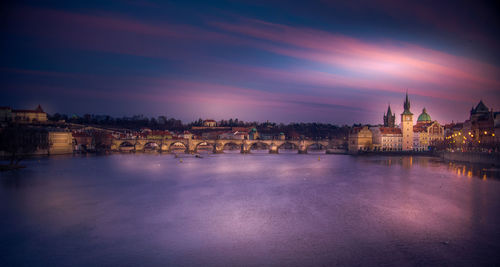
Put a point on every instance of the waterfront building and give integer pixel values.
(360, 139)
(481, 124)
(387, 138)
(420, 139)
(426, 132)
(407, 126)
(389, 118)
(60, 142)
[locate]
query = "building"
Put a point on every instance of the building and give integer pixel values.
(387, 138)
(426, 132)
(253, 134)
(241, 135)
(185, 135)
(209, 123)
(407, 126)
(23, 115)
(360, 139)
(159, 135)
(389, 118)
(420, 139)
(481, 124)
(60, 142)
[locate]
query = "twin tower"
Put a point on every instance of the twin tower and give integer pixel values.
(406, 124)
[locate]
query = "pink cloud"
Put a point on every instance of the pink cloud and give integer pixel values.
(395, 59)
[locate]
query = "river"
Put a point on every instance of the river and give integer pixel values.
(252, 210)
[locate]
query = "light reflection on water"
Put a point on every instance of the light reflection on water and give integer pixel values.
(257, 209)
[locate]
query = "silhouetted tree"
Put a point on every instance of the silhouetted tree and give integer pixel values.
(19, 141)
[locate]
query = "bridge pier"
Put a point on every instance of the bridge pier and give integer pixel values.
(273, 149)
(302, 151)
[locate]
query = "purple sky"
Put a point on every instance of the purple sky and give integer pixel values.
(282, 61)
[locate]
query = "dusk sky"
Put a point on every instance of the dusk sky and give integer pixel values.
(326, 61)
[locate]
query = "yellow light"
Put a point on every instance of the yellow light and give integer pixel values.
(469, 133)
(472, 135)
(479, 141)
(485, 132)
(492, 134)
(459, 133)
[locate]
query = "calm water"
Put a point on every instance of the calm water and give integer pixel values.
(259, 209)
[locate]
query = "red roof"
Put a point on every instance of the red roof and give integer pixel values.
(390, 130)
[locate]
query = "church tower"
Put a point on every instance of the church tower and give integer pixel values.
(389, 118)
(407, 126)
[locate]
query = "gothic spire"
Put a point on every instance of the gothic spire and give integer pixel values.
(407, 104)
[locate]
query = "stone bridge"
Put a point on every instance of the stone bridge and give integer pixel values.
(217, 146)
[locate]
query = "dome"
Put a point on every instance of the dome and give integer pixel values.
(424, 116)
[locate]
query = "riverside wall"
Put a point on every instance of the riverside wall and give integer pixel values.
(492, 158)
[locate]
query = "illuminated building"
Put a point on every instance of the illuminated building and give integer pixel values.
(481, 124)
(23, 115)
(360, 139)
(387, 138)
(209, 123)
(426, 132)
(407, 126)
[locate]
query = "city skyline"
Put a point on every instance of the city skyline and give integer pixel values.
(317, 62)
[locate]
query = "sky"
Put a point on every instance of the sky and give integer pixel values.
(338, 62)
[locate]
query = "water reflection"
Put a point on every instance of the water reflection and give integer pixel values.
(247, 209)
(483, 172)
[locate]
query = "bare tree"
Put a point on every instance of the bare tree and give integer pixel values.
(19, 141)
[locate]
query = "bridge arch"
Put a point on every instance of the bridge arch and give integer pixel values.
(177, 144)
(288, 144)
(255, 145)
(203, 143)
(228, 144)
(320, 147)
(126, 146)
(152, 145)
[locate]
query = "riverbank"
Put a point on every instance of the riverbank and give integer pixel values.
(396, 153)
(472, 157)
